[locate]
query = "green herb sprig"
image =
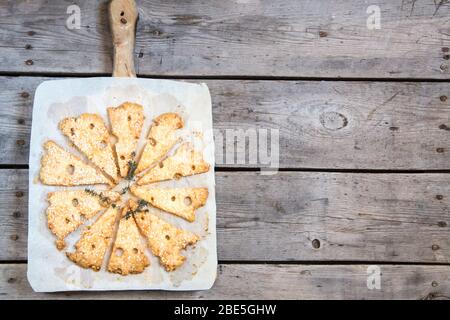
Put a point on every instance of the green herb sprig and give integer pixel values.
(100, 195)
(132, 165)
(142, 207)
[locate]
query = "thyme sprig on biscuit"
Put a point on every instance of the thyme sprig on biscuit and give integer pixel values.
(142, 207)
(131, 171)
(100, 195)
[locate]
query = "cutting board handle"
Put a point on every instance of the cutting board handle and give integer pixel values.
(122, 19)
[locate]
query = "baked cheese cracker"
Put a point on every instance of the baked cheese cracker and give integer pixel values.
(164, 240)
(71, 208)
(179, 201)
(60, 168)
(89, 134)
(126, 124)
(160, 140)
(92, 246)
(127, 256)
(185, 162)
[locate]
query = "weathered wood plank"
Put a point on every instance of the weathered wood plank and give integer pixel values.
(255, 281)
(14, 214)
(235, 38)
(335, 124)
(300, 216)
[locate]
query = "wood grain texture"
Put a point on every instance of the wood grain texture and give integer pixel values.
(291, 38)
(330, 125)
(14, 214)
(259, 281)
(300, 216)
(122, 20)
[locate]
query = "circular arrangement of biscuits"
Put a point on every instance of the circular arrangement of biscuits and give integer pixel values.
(124, 223)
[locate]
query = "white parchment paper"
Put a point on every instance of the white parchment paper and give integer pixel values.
(50, 270)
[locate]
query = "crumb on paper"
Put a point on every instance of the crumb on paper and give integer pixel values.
(206, 228)
(198, 134)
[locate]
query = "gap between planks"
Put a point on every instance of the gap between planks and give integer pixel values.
(257, 169)
(64, 75)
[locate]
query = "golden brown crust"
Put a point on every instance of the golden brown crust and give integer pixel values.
(89, 134)
(60, 168)
(92, 246)
(126, 124)
(127, 255)
(160, 140)
(164, 240)
(179, 201)
(70, 209)
(185, 162)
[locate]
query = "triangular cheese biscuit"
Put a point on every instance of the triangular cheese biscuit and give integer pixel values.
(185, 162)
(164, 240)
(160, 140)
(126, 124)
(179, 201)
(70, 209)
(92, 246)
(60, 168)
(128, 255)
(89, 134)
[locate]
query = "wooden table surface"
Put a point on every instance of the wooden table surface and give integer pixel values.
(373, 190)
